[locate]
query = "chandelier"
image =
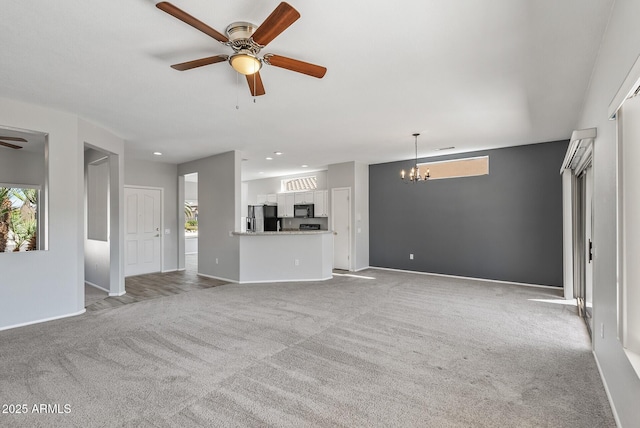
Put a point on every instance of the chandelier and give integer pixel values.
(414, 173)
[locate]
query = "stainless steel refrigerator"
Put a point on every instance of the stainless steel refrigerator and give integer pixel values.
(255, 218)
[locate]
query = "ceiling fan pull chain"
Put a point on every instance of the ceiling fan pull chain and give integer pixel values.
(254, 88)
(237, 97)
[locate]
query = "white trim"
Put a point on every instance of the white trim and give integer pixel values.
(606, 390)
(118, 294)
(522, 284)
(634, 359)
(218, 277)
(580, 140)
(24, 324)
(363, 268)
(632, 82)
(168, 270)
(96, 286)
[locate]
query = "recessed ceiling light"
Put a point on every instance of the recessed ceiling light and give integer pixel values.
(277, 153)
(157, 153)
(261, 172)
(305, 166)
(269, 158)
(446, 148)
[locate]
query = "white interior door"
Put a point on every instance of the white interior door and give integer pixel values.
(143, 238)
(341, 220)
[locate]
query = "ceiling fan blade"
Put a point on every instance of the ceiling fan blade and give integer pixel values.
(22, 140)
(255, 84)
(188, 19)
(11, 146)
(295, 65)
(280, 19)
(200, 62)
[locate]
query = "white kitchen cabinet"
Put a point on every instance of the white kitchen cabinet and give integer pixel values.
(270, 199)
(285, 203)
(304, 197)
(321, 203)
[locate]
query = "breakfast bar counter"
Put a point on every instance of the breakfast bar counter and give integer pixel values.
(285, 256)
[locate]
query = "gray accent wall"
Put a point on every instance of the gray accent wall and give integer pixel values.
(503, 226)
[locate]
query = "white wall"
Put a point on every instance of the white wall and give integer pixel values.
(21, 167)
(190, 191)
(40, 285)
(97, 257)
(91, 135)
(362, 216)
(356, 176)
(163, 175)
(272, 185)
(618, 52)
(219, 197)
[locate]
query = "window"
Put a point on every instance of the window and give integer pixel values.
(467, 167)
(629, 156)
(19, 218)
(299, 184)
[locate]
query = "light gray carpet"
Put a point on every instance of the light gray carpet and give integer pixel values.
(401, 350)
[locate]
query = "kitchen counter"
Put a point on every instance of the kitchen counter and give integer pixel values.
(284, 232)
(297, 255)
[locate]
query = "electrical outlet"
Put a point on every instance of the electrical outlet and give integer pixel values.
(216, 260)
(411, 256)
(602, 330)
(296, 262)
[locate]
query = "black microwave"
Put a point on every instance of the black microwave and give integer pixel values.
(303, 210)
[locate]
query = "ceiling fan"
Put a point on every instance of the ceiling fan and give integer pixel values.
(11, 146)
(247, 40)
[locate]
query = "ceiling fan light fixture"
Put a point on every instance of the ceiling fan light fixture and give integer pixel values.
(245, 63)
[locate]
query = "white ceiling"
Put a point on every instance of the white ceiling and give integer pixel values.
(473, 74)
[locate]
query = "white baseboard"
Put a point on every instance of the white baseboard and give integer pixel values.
(217, 277)
(96, 286)
(522, 284)
(606, 390)
(24, 324)
(364, 268)
(169, 270)
(117, 294)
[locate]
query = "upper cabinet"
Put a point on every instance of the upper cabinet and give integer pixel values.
(285, 204)
(270, 199)
(304, 197)
(319, 199)
(320, 203)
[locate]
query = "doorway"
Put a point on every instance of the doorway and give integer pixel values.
(143, 225)
(584, 246)
(102, 255)
(191, 222)
(341, 224)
